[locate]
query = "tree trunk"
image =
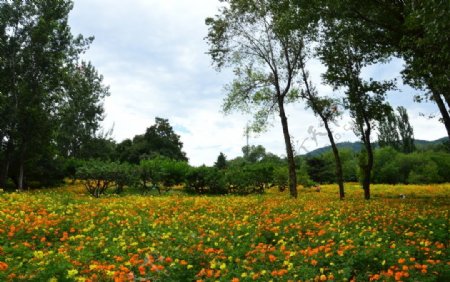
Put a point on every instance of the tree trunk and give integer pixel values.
(444, 112)
(20, 179)
(368, 167)
(289, 151)
(4, 174)
(337, 158)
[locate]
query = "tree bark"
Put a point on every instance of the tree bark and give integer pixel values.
(20, 179)
(4, 173)
(368, 167)
(444, 112)
(337, 158)
(289, 151)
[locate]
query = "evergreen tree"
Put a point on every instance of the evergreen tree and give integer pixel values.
(221, 162)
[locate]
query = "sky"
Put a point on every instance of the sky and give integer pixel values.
(152, 54)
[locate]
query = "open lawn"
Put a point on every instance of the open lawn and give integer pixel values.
(65, 235)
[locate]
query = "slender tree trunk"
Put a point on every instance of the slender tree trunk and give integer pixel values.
(20, 179)
(289, 151)
(444, 112)
(337, 158)
(368, 167)
(4, 173)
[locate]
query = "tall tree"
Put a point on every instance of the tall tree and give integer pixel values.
(36, 46)
(248, 36)
(327, 109)
(81, 109)
(388, 131)
(345, 56)
(406, 131)
(416, 31)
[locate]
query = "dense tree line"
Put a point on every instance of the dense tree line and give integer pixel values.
(50, 100)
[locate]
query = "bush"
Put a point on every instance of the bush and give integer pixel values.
(205, 180)
(250, 178)
(98, 176)
(281, 177)
(162, 172)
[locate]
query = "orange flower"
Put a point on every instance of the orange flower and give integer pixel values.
(3, 266)
(168, 259)
(235, 279)
(401, 260)
(272, 258)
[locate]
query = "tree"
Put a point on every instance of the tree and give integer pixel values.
(345, 55)
(416, 31)
(35, 47)
(406, 131)
(253, 153)
(327, 109)
(388, 131)
(221, 162)
(158, 140)
(81, 110)
(396, 131)
(249, 36)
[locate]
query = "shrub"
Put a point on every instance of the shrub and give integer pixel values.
(205, 180)
(162, 172)
(98, 176)
(281, 177)
(250, 178)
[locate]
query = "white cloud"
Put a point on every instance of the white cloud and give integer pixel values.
(152, 55)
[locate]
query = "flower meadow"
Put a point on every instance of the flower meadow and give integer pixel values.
(65, 235)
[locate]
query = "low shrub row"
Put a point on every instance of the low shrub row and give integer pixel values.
(162, 174)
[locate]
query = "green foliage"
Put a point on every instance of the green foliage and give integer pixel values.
(158, 140)
(281, 177)
(50, 101)
(321, 169)
(416, 168)
(98, 176)
(221, 162)
(162, 172)
(386, 169)
(250, 178)
(205, 180)
(303, 177)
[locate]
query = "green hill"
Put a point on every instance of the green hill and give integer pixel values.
(356, 146)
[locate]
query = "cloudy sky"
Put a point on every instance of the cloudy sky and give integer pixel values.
(152, 55)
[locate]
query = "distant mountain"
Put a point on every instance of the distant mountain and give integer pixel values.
(356, 146)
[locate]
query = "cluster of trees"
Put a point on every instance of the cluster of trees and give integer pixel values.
(51, 102)
(268, 42)
(50, 99)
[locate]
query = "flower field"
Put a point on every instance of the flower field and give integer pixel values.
(64, 235)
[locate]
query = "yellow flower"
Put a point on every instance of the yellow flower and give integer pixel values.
(38, 254)
(71, 273)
